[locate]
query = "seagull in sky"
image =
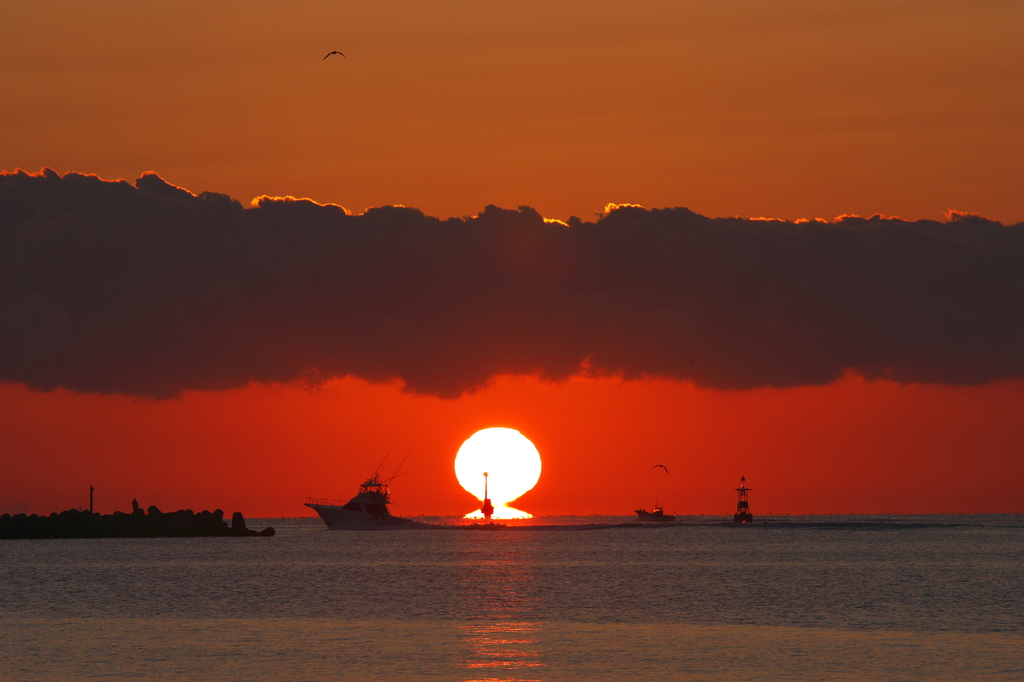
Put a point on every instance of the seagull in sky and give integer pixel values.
(662, 466)
(333, 52)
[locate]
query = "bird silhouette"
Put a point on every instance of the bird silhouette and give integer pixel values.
(662, 466)
(333, 52)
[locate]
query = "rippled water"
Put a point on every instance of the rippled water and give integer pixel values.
(925, 598)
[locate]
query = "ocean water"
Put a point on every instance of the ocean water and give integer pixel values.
(803, 598)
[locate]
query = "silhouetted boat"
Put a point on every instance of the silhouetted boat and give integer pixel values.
(657, 515)
(368, 510)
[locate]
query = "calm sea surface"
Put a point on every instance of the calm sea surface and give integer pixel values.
(802, 598)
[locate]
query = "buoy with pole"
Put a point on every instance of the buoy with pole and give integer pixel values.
(743, 514)
(487, 507)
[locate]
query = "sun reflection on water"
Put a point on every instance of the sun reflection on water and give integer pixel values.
(500, 639)
(499, 648)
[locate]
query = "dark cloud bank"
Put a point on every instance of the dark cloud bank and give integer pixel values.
(146, 289)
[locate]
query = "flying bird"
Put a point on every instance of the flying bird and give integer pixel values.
(662, 466)
(333, 52)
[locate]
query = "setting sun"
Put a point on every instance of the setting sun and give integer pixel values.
(511, 462)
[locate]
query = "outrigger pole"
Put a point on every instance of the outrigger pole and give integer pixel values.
(381, 465)
(395, 475)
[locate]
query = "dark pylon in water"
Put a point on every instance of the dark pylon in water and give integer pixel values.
(743, 514)
(487, 507)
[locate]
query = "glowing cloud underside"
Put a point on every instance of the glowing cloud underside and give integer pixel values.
(511, 461)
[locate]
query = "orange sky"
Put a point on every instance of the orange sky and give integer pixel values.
(737, 107)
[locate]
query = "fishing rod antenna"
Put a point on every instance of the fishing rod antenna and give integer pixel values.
(399, 467)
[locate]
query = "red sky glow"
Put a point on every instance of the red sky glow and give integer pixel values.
(541, 214)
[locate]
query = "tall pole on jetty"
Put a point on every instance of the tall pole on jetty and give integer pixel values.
(90, 498)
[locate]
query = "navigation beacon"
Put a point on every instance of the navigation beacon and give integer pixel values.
(487, 508)
(743, 514)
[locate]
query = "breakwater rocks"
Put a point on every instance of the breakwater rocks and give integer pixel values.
(152, 523)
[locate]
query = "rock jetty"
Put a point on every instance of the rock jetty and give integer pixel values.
(151, 523)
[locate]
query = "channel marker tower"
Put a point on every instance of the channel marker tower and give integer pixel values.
(743, 514)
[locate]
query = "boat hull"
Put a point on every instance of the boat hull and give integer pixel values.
(338, 518)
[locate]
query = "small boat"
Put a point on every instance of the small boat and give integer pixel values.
(368, 510)
(657, 515)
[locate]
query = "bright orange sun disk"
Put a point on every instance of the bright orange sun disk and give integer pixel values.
(511, 462)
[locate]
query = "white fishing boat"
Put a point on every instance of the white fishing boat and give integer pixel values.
(368, 510)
